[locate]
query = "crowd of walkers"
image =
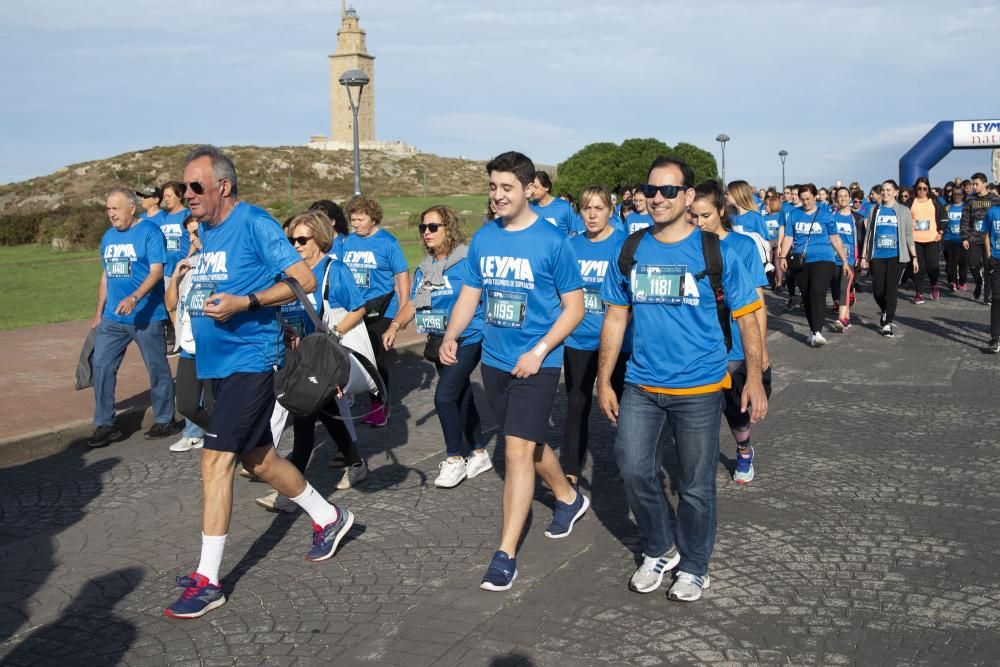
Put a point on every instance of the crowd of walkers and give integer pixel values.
(548, 291)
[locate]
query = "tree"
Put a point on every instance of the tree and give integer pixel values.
(593, 164)
(701, 162)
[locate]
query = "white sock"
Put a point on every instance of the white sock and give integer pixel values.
(321, 512)
(212, 547)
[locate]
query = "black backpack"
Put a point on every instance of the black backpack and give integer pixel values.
(712, 252)
(317, 366)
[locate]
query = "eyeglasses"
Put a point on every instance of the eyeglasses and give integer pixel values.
(300, 240)
(432, 227)
(921, 189)
(668, 191)
(198, 188)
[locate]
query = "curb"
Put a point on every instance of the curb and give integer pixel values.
(34, 445)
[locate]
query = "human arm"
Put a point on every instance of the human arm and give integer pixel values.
(761, 316)
(838, 247)
(172, 293)
(223, 306)
(753, 396)
(572, 312)
(461, 314)
(612, 335)
(127, 305)
(965, 228)
(402, 287)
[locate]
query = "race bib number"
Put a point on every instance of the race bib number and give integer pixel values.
(886, 241)
(978, 225)
(432, 321)
(118, 267)
(954, 227)
(173, 244)
(506, 309)
(772, 229)
(362, 278)
(198, 297)
(592, 301)
(662, 284)
(922, 225)
(297, 324)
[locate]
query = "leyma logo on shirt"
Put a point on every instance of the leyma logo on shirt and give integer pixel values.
(113, 250)
(365, 258)
(507, 271)
(592, 268)
(212, 265)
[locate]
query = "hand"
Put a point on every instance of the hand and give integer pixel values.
(95, 320)
(221, 307)
(182, 267)
(754, 398)
(916, 265)
(448, 354)
(126, 306)
(291, 338)
(389, 337)
(527, 365)
(608, 401)
(864, 265)
(848, 271)
(965, 244)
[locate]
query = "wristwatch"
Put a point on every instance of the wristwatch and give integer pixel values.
(134, 298)
(254, 303)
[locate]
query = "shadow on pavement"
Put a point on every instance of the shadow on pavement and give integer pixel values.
(513, 659)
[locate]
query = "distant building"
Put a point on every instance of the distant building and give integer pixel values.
(352, 53)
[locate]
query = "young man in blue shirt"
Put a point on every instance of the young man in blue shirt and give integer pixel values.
(233, 305)
(525, 272)
(674, 379)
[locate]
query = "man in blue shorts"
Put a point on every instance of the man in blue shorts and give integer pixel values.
(233, 305)
(674, 379)
(524, 271)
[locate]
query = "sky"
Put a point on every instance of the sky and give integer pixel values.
(845, 86)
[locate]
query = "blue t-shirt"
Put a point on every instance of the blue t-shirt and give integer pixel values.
(744, 248)
(954, 230)
(677, 342)
(178, 241)
(593, 260)
(434, 320)
(845, 230)
(615, 222)
(340, 290)
(375, 260)
(337, 247)
(814, 229)
(991, 222)
(886, 241)
(559, 213)
(245, 253)
(787, 208)
(772, 222)
(522, 275)
(750, 222)
(636, 221)
(127, 258)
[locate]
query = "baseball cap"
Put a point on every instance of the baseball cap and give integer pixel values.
(150, 191)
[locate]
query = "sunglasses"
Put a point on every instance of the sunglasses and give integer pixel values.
(198, 188)
(668, 191)
(432, 227)
(300, 240)
(921, 189)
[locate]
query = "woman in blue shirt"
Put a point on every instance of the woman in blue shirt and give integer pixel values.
(437, 282)
(955, 254)
(887, 250)
(843, 285)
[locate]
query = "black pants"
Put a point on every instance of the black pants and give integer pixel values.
(885, 284)
(376, 329)
(957, 262)
(813, 280)
(194, 397)
(978, 265)
(304, 430)
(580, 372)
(995, 305)
(928, 257)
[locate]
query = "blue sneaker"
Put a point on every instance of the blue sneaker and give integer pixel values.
(566, 515)
(744, 468)
(326, 538)
(501, 573)
(199, 597)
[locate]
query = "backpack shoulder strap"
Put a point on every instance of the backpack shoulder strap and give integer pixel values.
(711, 249)
(300, 294)
(626, 257)
(326, 285)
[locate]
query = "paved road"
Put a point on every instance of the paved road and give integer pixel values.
(868, 537)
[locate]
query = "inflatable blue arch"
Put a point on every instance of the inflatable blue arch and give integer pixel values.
(946, 136)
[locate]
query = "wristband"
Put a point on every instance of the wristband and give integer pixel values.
(254, 302)
(540, 349)
(134, 298)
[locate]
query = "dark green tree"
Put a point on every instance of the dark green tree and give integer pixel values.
(592, 164)
(701, 162)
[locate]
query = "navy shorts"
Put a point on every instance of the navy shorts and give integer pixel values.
(522, 406)
(734, 395)
(241, 419)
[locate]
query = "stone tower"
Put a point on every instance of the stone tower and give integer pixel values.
(351, 54)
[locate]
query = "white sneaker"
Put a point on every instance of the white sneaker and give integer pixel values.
(817, 340)
(688, 587)
(186, 444)
(452, 473)
(478, 463)
(649, 576)
(276, 502)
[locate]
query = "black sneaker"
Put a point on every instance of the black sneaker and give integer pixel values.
(994, 346)
(164, 430)
(104, 436)
(988, 301)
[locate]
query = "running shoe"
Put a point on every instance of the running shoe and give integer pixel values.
(104, 436)
(953, 286)
(688, 587)
(838, 325)
(935, 293)
(817, 339)
(963, 287)
(566, 515)
(649, 576)
(453, 471)
(744, 468)
(186, 444)
(275, 502)
(500, 574)
(326, 538)
(881, 319)
(478, 463)
(199, 597)
(355, 473)
(159, 431)
(378, 416)
(994, 346)
(918, 298)
(887, 331)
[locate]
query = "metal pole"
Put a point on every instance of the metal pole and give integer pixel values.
(723, 164)
(357, 151)
(289, 185)
(782, 154)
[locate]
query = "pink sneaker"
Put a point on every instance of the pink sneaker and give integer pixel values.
(963, 287)
(935, 293)
(375, 411)
(379, 415)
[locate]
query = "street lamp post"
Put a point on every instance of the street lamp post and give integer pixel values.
(722, 139)
(355, 78)
(782, 154)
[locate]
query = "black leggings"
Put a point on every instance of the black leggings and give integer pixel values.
(978, 265)
(928, 257)
(957, 260)
(304, 429)
(580, 372)
(813, 280)
(885, 284)
(195, 399)
(376, 329)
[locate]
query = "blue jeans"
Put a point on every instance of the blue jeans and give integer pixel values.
(694, 423)
(109, 350)
(455, 406)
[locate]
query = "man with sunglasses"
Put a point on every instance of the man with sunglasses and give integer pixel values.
(674, 379)
(233, 306)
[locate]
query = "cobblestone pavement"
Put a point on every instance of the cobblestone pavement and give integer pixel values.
(868, 537)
